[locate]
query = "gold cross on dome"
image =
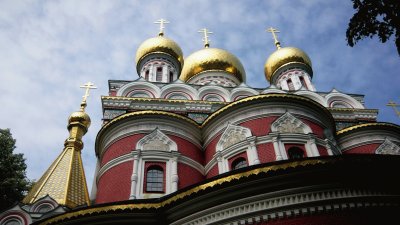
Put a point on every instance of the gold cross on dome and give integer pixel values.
(205, 38)
(162, 22)
(274, 31)
(87, 86)
(394, 106)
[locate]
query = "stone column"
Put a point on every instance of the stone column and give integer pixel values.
(134, 178)
(174, 174)
(220, 163)
(277, 148)
(252, 151)
(313, 146)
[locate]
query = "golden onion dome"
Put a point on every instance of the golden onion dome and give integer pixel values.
(79, 117)
(285, 56)
(209, 59)
(159, 44)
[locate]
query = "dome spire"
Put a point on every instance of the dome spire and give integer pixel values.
(65, 180)
(162, 22)
(273, 31)
(205, 31)
(87, 86)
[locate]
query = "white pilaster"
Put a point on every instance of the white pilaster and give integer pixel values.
(252, 154)
(134, 178)
(174, 174)
(277, 149)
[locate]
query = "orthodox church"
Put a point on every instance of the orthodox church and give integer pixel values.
(189, 142)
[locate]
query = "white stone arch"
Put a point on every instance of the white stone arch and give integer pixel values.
(388, 148)
(232, 135)
(216, 90)
(288, 123)
(272, 89)
(179, 88)
(312, 95)
(46, 201)
(139, 85)
(347, 100)
(156, 140)
(239, 91)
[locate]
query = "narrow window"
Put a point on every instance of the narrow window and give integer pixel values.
(239, 163)
(290, 85)
(159, 74)
(155, 179)
(171, 76)
(295, 153)
(146, 75)
(303, 82)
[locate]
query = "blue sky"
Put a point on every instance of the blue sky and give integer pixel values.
(49, 48)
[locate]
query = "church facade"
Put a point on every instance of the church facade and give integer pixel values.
(189, 142)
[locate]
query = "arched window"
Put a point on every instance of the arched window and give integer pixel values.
(146, 75)
(155, 179)
(295, 153)
(239, 163)
(171, 76)
(303, 82)
(290, 85)
(159, 74)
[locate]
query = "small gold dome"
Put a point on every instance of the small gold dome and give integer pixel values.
(284, 56)
(159, 44)
(212, 59)
(79, 117)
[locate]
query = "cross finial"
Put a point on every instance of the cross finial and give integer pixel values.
(274, 31)
(162, 22)
(87, 86)
(394, 106)
(205, 38)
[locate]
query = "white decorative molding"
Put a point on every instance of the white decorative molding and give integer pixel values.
(388, 148)
(156, 140)
(232, 135)
(288, 123)
(277, 207)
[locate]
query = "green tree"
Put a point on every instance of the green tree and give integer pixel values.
(375, 17)
(13, 181)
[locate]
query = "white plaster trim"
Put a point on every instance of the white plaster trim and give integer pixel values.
(289, 118)
(388, 148)
(156, 135)
(124, 90)
(270, 207)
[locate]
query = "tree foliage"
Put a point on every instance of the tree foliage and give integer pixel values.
(13, 181)
(375, 17)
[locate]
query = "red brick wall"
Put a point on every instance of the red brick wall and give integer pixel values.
(261, 126)
(210, 149)
(115, 184)
(188, 149)
(188, 175)
(213, 172)
(240, 155)
(287, 146)
(146, 167)
(316, 129)
(120, 147)
(364, 149)
(322, 150)
(266, 152)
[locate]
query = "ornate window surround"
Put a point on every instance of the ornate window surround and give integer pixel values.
(154, 147)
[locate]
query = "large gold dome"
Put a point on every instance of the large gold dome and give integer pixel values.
(284, 56)
(212, 59)
(159, 44)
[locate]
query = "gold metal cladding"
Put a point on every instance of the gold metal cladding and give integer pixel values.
(187, 193)
(159, 44)
(212, 59)
(378, 125)
(282, 57)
